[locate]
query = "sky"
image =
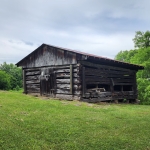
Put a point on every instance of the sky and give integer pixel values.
(100, 27)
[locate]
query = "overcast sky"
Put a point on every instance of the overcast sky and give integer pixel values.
(101, 27)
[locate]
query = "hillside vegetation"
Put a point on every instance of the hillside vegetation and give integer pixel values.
(140, 56)
(34, 123)
(10, 77)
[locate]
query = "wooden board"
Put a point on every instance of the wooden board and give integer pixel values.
(89, 64)
(28, 78)
(33, 82)
(67, 81)
(66, 75)
(67, 91)
(33, 73)
(67, 86)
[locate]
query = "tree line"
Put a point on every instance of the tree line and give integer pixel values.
(10, 77)
(140, 56)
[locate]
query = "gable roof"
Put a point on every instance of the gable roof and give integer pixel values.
(92, 57)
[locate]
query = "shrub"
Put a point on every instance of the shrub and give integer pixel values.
(4, 80)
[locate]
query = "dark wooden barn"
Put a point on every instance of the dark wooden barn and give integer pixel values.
(63, 73)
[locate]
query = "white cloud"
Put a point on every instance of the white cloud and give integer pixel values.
(101, 27)
(12, 51)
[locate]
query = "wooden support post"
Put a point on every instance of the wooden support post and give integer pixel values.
(40, 87)
(112, 86)
(121, 88)
(24, 81)
(83, 82)
(71, 79)
(135, 86)
(54, 83)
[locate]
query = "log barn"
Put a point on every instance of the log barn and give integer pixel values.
(68, 74)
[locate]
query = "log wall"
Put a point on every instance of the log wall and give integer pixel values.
(54, 81)
(86, 81)
(31, 80)
(104, 83)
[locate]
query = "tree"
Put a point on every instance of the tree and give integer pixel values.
(142, 39)
(15, 74)
(4, 80)
(125, 56)
(140, 56)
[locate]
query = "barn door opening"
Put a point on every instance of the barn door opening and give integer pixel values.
(47, 82)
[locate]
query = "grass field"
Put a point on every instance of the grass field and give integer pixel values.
(28, 122)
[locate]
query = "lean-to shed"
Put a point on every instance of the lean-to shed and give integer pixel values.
(58, 72)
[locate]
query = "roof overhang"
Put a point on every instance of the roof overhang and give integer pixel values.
(94, 58)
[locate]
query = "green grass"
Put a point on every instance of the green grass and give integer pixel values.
(28, 122)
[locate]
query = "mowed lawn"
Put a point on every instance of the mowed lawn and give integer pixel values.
(28, 122)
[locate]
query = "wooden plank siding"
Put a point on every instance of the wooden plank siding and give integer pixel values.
(119, 83)
(50, 56)
(66, 80)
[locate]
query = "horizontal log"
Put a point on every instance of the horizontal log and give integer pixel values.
(64, 66)
(65, 91)
(124, 93)
(65, 70)
(33, 88)
(33, 82)
(108, 81)
(98, 94)
(109, 75)
(120, 76)
(100, 99)
(95, 100)
(107, 68)
(107, 72)
(66, 75)
(33, 73)
(89, 64)
(32, 77)
(109, 94)
(32, 69)
(123, 80)
(67, 86)
(108, 78)
(67, 81)
(33, 91)
(98, 79)
(33, 85)
(67, 97)
(117, 83)
(54, 66)
(97, 82)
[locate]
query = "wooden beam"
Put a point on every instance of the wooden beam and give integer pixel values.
(67, 81)
(24, 81)
(54, 83)
(86, 63)
(135, 85)
(71, 79)
(51, 66)
(83, 82)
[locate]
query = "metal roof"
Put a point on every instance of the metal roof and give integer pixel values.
(92, 57)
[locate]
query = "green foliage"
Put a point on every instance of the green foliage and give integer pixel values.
(15, 74)
(141, 57)
(125, 56)
(4, 80)
(144, 90)
(142, 39)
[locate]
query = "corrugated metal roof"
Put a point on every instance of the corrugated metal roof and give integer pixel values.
(90, 56)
